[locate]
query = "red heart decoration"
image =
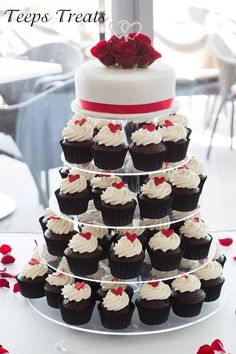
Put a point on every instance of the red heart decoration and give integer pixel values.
(158, 180)
(80, 121)
(185, 276)
(118, 185)
(130, 237)
(79, 285)
(184, 167)
(196, 219)
(154, 284)
(167, 123)
(167, 233)
(226, 241)
(4, 283)
(72, 178)
(86, 235)
(150, 127)
(4, 249)
(55, 217)
(114, 127)
(16, 288)
(118, 291)
(33, 261)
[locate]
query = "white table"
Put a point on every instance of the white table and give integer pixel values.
(12, 70)
(25, 332)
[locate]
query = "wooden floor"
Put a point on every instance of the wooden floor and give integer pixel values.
(219, 197)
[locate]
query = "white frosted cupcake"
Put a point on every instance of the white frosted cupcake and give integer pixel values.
(198, 167)
(99, 184)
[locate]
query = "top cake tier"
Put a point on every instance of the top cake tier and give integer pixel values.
(111, 92)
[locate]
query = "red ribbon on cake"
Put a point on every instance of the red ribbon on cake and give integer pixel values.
(126, 109)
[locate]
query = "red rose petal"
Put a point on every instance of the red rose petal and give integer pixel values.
(16, 288)
(3, 270)
(8, 259)
(3, 350)
(226, 241)
(234, 258)
(6, 275)
(205, 349)
(4, 249)
(4, 283)
(218, 346)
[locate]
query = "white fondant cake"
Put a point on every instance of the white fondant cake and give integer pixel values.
(129, 91)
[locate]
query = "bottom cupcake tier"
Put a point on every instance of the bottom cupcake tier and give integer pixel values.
(136, 327)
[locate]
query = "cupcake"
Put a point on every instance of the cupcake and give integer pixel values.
(32, 278)
(164, 250)
(187, 295)
(103, 236)
(44, 218)
(73, 195)
(109, 149)
(55, 282)
(99, 124)
(211, 280)
(175, 140)
(155, 198)
(77, 303)
(140, 232)
(118, 205)
(99, 184)
(197, 166)
(83, 254)
(147, 150)
(195, 239)
(58, 234)
(218, 256)
(109, 282)
(116, 310)
(77, 141)
(126, 257)
(154, 303)
(185, 189)
(176, 118)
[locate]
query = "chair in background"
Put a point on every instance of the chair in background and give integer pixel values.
(227, 77)
(35, 125)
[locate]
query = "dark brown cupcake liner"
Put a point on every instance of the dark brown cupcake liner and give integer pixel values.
(116, 319)
(73, 206)
(129, 291)
(31, 290)
(53, 298)
(97, 199)
(153, 316)
(43, 224)
(203, 179)
(184, 201)
(126, 269)
(56, 247)
(118, 217)
(77, 154)
(184, 309)
(164, 261)
(83, 266)
(195, 251)
(147, 162)
(108, 159)
(153, 208)
(105, 243)
(212, 292)
(76, 317)
(176, 151)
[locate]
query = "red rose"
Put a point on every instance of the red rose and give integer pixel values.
(102, 51)
(140, 38)
(125, 53)
(113, 40)
(148, 56)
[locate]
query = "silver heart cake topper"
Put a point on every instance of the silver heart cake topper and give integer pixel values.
(124, 28)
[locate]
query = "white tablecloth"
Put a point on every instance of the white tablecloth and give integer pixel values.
(23, 331)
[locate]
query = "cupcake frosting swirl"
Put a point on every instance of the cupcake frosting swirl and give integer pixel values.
(113, 302)
(107, 138)
(113, 283)
(104, 182)
(211, 270)
(186, 283)
(176, 118)
(60, 226)
(48, 213)
(217, 251)
(174, 132)
(72, 294)
(116, 196)
(98, 232)
(161, 242)
(63, 276)
(194, 229)
(76, 186)
(196, 166)
(145, 137)
(138, 232)
(151, 190)
(34, 269)
(184, 178)
(80, 244)
(150, 292)
(125, 248)
(76, 132)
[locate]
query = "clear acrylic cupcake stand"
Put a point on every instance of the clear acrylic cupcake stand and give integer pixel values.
(93, 218)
